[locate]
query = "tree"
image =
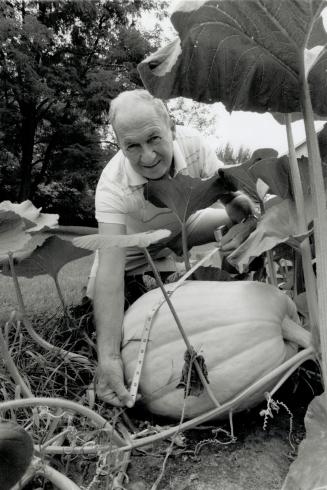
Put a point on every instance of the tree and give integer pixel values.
(229, 156)
(190, 113)
(61, 63)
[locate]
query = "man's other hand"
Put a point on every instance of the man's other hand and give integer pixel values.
(110, 383)
(237, 234)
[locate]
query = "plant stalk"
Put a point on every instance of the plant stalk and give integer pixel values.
(185, 247)
(61, 297)
(35, 336)
(320, 221)
(309, 276)
(269, 257)
(181, 329)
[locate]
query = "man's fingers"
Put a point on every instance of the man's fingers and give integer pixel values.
(118, 396)
(124, 396)
(111, 398)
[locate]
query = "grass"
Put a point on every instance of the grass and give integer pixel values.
(40, 294)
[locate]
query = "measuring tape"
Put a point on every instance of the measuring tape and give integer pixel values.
(149, 321)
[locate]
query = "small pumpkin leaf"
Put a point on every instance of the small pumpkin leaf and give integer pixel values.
(194, 387)
(308, 471)
(184, 194)
(142, 240)
(277, 225)
(16, 452)
(48, 258)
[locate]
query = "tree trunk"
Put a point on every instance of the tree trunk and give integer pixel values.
(28, 131)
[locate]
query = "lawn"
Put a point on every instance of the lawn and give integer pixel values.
(40, 294)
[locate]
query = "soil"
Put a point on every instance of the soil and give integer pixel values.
(258, 459)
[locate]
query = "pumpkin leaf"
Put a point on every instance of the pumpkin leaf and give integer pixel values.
(244, 54)
(48, 258)
(194, 387)
(142, 240)
(16, 223)
(16, 452)
(34, 219)
(308, 471)
(13, 234)
(184, 194)
(278, 225)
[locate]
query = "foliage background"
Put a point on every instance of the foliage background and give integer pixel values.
(61, 63)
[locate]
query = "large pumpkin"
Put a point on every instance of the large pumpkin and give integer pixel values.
(236, 326)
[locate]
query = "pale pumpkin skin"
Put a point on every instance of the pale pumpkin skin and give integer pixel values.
(236, 326)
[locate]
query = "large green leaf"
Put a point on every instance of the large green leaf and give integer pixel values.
(48, 258)
(184, 194)
(245, 54)
(308, 471)
(16, 451)
(275, 172)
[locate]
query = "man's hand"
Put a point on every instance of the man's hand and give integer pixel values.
(239, 207)
(110, 383)
(237, 234)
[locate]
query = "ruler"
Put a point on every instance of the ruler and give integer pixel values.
(149, 321)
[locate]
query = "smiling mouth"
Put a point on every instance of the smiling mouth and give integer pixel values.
(152, 166)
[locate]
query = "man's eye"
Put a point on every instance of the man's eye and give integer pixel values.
(155, 139)
(131, 147)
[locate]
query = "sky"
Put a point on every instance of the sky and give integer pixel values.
(248, 129)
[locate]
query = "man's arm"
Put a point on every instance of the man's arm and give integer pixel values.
(109, 314)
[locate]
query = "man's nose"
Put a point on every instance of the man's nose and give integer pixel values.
(148, 155)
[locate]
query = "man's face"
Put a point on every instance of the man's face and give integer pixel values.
(146, 139)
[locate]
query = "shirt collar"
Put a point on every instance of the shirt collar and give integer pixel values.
(135, 179)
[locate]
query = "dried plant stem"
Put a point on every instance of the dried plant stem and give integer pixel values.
(39, 468)
(309, 276)
(28, 325)
(170, 448)
(320, 221)
(12, 368)
(181, 329)
(94, 417)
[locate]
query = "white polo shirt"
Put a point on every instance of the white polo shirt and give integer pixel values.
(119, 194)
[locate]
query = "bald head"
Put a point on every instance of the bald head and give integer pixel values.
(131, 100)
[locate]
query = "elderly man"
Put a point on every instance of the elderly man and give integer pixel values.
(151, 147)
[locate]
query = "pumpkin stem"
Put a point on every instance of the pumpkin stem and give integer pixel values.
(180, 328)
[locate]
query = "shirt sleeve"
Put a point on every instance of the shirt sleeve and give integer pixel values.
(109, 203)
